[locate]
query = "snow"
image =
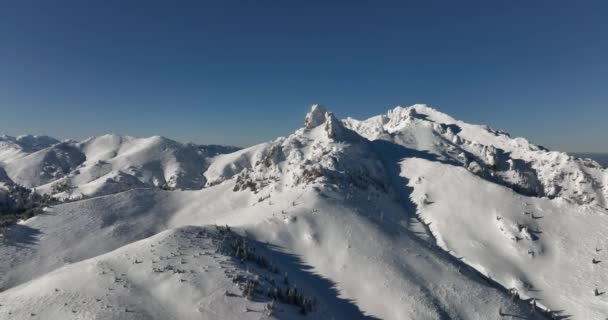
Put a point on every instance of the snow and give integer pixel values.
(338, 242)
(12, 148)
(315, 117)
(492, 154)
(109, 164)
(407, 215)
(601, 158)
(225, 166)
(176, 274)
(543, 248)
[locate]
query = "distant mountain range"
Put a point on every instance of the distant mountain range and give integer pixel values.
(601, 158)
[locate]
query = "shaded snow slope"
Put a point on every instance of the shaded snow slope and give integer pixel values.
(185, 273)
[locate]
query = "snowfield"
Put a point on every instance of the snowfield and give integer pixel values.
(408, 215)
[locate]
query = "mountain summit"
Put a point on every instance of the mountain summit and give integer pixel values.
(317, 116)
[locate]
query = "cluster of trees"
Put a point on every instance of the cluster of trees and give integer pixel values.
(534, 309)
(243, 251)
(21, 203)
(239, 248)
(291, 295)
(244, 182)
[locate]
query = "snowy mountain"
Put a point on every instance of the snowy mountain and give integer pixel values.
(493, 155)
(16, 147)
(407, 215)
(108, 164)
(601, 158)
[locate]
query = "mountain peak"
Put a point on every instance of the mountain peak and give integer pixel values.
(333, 128)
(416, 110)
(316, 117)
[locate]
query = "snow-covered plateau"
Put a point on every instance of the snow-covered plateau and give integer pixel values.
(407, 215)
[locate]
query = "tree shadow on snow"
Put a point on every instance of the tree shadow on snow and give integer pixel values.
(20, 235)
(311, 284)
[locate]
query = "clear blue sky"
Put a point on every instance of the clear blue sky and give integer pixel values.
(241, 72)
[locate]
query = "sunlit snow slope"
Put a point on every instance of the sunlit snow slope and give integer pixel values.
(105, 164)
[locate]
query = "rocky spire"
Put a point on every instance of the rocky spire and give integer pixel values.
(316, 116)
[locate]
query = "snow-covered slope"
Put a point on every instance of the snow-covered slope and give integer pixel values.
(12, 148)
(601, 158)
(45, 165)
(494, 155)
(386, 271)
(112, 163)
(545, 249)
(184, 273)
(409, 215)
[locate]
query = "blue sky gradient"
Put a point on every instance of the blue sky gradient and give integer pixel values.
(242, 72)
